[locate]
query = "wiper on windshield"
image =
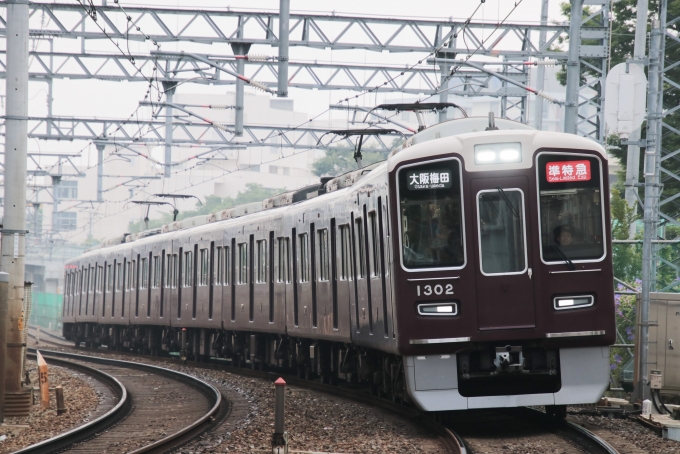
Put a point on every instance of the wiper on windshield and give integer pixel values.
(563, 256)
(507, 202)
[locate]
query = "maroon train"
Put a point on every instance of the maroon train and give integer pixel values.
(470, 269)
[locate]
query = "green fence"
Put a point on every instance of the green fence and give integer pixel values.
(46, 310)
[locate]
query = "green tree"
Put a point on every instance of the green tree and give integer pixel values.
(337, 162)
(253, 192)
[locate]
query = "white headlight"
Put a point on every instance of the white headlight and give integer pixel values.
(486, 156)
(438, 309)
(496, 153)
(573, 302)
(510, 155)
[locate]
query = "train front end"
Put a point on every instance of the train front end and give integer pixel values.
(503, 269)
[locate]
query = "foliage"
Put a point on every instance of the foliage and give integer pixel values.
(253, 193)
(337, 162)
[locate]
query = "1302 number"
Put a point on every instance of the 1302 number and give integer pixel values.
(438, 289)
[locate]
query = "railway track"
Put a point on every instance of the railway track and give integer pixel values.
(459, 432)
(158, 409)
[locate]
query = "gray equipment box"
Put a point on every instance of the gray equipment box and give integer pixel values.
(664, 339)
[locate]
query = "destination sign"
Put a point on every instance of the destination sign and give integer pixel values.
(430, 179)
(564, 171)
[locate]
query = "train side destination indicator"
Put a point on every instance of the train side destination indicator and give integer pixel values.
(430, 179)
(560, 172)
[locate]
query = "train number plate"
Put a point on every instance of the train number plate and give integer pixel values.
(434, 289)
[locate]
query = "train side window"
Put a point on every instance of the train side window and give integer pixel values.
(242, 263)
(135, 274)
(304, 257)
(570, 207)
(119, 278)
(204, 267)
(188, 271)
(168, 271)
(157, 271)
(345, 252)
(284, 260)
(91, 277)
(218, 272)
(374, 254)
(227, 266)
(100, 279)
(361, 256)
(109, 278)
(175, 270)
(322, 236)
(261, 262)
(145, 273)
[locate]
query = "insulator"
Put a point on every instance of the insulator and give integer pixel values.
(257, 57)
(547, 97)
(260, 85)
(212, 106)
(221, 127)
(548, 62)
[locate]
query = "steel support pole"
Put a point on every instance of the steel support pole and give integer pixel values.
(540, 70)
(633, 158)
(651, 172)
(444, 95)
(573, 68)
(14, 219)
(169, 88)
(4, 323)
(100, 172)
(239, 48)
(284, 32)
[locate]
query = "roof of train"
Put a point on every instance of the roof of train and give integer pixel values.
(454, 136)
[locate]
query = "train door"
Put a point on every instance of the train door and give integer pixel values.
(505, 292)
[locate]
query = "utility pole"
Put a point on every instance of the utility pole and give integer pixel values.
(284, 32)
(14, 221)
(100, 173)
(540, 69)
(240, 48)
(633, 158)
(169, 88)
(573, 68)
(4, 319)
(651, 173)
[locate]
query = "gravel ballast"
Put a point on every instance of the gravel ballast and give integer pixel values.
(81, 402)
(315, 421)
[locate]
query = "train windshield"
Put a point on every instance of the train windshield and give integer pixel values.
(570, 207)
(431, 215)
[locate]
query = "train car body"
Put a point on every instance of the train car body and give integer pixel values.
(471, 269)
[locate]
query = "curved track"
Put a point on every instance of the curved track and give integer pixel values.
(452, 427)
(159, 409)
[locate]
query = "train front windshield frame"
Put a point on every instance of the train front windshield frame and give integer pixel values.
(570, 198)
(431, 215)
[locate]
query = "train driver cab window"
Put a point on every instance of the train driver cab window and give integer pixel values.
(430, 208)
(570, 193)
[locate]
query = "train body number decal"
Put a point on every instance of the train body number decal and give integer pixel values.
(437, 289)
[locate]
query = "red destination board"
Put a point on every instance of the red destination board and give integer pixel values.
(563, 171)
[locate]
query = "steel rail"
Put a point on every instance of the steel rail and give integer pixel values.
(118, 412)
(213, 394)
(451, 440)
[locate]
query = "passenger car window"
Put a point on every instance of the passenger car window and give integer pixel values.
(430, 215)
(570, 205)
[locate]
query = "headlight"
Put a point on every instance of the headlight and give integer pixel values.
(573, 302)
(498, 153)
(438, 309)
